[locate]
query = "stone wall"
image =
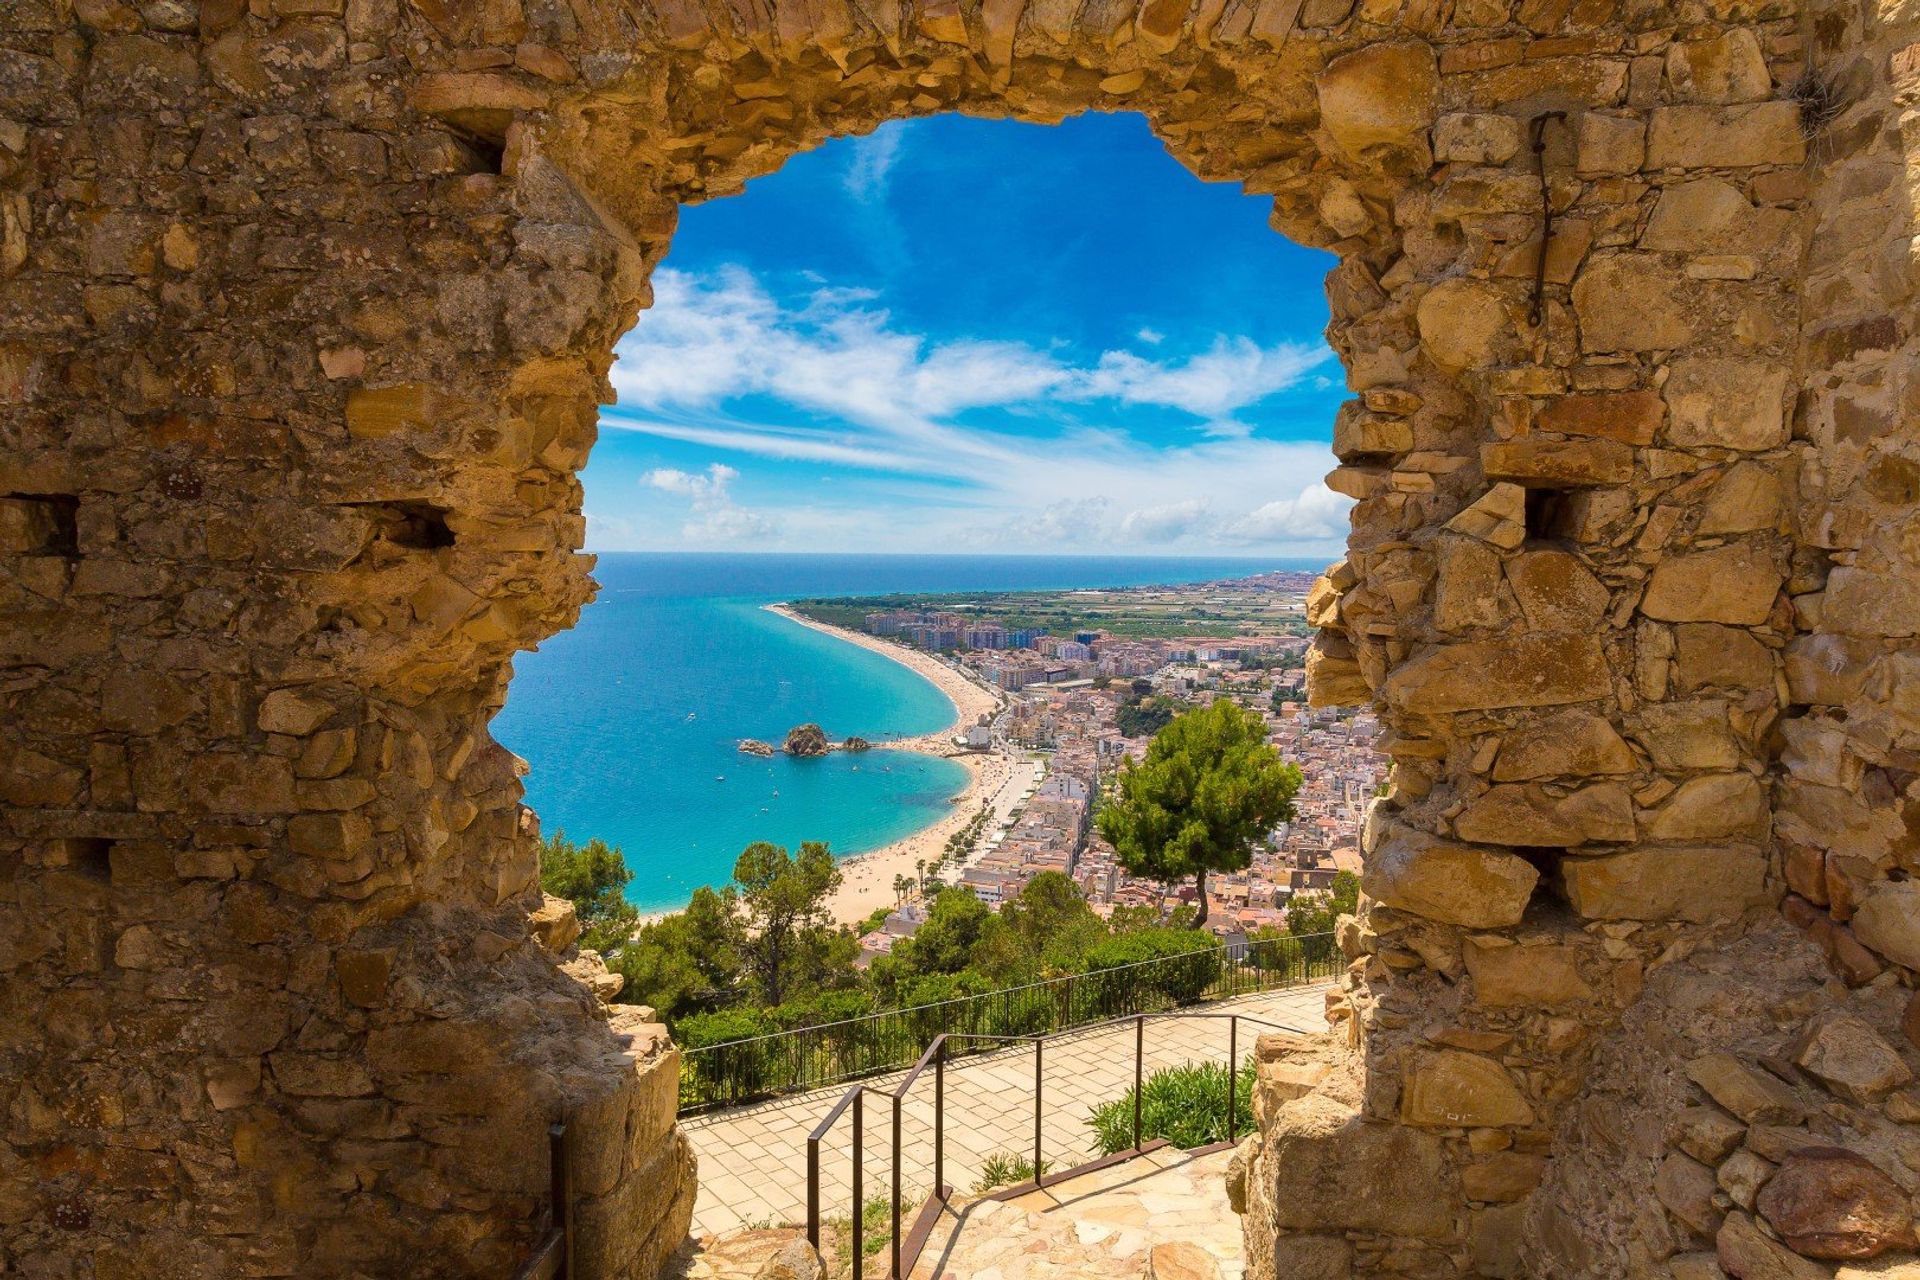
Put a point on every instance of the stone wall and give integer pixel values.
(305, 310)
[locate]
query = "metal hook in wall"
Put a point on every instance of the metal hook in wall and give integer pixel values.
(1537, 312)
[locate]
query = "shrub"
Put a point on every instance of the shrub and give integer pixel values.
(1005, 1169)
(726, 1071)
(1186, 1105)
(1127, 972)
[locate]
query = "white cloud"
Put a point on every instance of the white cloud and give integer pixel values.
(1151, 336)
(889, 403)
(872, 162)
(1168, 522)
(715, 516)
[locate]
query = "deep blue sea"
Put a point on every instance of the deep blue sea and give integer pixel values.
(631, 719)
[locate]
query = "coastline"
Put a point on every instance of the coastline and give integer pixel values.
(867, 878)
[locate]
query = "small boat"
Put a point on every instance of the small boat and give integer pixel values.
(719, 777)
(691, 716)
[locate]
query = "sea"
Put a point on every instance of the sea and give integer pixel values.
(631, 720)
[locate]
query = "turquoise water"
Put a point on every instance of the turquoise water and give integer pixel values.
(631, 719)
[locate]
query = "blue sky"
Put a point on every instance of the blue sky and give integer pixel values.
(975, 335)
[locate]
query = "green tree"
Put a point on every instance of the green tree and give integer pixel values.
(945, 941)
(683, 962)
(1209, 788)
(1052, 922)
(593, 877)
(1140, 719)
(1311, 913)
(786, 934)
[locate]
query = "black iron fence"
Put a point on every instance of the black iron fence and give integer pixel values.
(905, 1241)
(810, 1057)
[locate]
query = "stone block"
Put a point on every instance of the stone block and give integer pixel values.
(1556, 592)
(1453, 1089)
(1479, 138)
(1726, 137)
(1888, 921)
(1448, 882)
(1713, 806)
(1608, 145)
(1828, 1202)
(1464, 324)
(1706, 1133)
(1330, 1170)
(1685, 1189)
(1726, 404)
(1747, 1091)
(1864, 602)
(1383, 94)
(1631, 417)
(1723, 68)
(1531, 670)
(1506, 975)
(1656, 883)
(1527, 814)
(1631, 302)
(1682, 736)
(1536, 462)
(1849, 1057)
(1570, 743)
(1737, 583)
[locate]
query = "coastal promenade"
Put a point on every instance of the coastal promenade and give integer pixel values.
(753, 1159)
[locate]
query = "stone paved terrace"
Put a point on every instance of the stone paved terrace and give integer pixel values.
(1096, 1225)
(753, 1159)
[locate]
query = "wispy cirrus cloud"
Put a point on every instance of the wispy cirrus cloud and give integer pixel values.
(870, 395)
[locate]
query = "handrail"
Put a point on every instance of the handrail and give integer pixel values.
(738, 1070)
(904, 1251)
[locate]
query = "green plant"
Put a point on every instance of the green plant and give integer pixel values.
(1149, 968)
(1186, 1105)
(1005, 1169)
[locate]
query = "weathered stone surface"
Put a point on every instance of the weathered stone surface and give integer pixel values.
(1570, 743)
(1850, 1058)
(1530, 670)
(1865, 603)
(1463, 324)
(1726, 404)
(1631, 417)
(1630, 302)
(1654, 883)
(1447, 1088)
(1555, 591)
(1685, 1188)
(1521, 814)
(1709, 807)
(1452, 883)
(1690, 137)
(1708, 1134)
(1181, 1261)
(1502, 1177)
(1746, 1253)
(1330, 1170)
(1746, 1091)
(1557, 463)
(1888, 921)
(1384, 94)
(1827, 1202)
(1509, 976)
(1736, 584)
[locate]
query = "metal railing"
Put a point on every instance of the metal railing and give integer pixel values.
(904, 1249)
(553, 1256)
(737, 1071)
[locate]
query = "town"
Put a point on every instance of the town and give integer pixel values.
(1084, 702)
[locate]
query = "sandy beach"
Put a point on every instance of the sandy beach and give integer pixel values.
(867, 878)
